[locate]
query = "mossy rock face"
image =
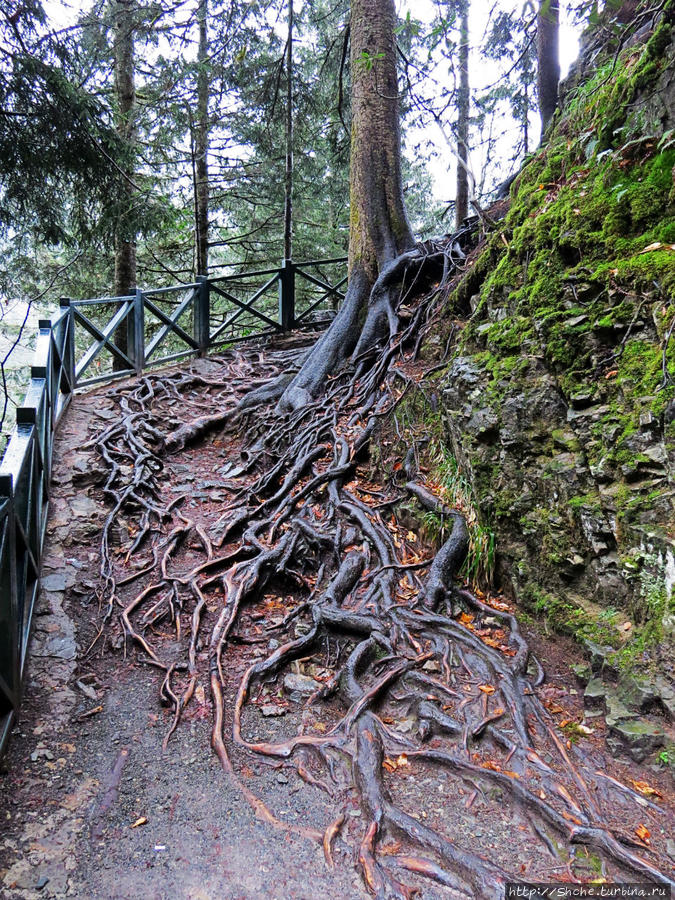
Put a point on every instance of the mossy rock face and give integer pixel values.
(560, 403)
(638, 737)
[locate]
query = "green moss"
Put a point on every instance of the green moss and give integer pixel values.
(577, 285)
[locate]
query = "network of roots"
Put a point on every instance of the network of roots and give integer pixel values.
(418, 681)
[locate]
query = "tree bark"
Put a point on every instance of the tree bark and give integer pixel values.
(463, 112)
(548, 62)
(201, 147)
(288, 180)
(378, 231)
(125, 233)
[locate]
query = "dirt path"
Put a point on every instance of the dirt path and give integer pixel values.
(94, 807)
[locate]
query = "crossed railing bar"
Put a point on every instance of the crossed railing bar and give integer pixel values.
(25, 468)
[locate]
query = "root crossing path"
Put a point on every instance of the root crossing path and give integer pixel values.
(260, 585)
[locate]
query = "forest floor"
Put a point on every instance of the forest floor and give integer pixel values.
(93, 806)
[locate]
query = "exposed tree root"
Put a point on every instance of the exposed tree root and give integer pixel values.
(394, 643)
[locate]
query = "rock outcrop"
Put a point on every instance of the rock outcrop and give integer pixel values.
(559, 403)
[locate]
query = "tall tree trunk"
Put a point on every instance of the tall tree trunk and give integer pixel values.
(201, 148)
(463, 112)
(288, 180)
(378, 231)
(548, 61)
(125, 234)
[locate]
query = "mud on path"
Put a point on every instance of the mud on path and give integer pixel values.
(98, 803)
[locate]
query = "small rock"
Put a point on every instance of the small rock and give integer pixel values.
(432, 665)
(638, 737)
(303, 684)
(84, 507)
(87, 690)
(594, 695)
(281, 778)
(60, 647)
(272, 709)
(273, 644)
(666, 695)
(42, 881)
(577, 320)
(582, 672)
(670, 848)
(55, 582)
(657, 454)
(41, 753)
(599, 654)
(583, 398)
(616, 710)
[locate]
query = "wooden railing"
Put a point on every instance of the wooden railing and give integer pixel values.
(77, 347)
(25, 473)
(163, 325)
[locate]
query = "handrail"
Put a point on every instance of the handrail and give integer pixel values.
(60, 366)
(24, 501)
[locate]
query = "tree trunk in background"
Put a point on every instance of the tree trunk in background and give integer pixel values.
(201, 147)
(548, 63)
(288, 180)
(378, 228)
(463, 113)
(378, 224)
(125, 233)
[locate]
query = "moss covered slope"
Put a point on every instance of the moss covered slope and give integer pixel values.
(559, 403)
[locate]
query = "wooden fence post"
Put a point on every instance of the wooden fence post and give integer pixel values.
(9, 608)
(69, 347)
(287, 294)
(136, 332)
(202, 314)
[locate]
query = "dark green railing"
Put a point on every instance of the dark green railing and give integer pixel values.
(163, 325)
(78, 347)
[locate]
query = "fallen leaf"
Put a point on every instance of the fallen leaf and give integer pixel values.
(389, 849)
(657, 245)
(646, 789)
(571, 818)
(643, 833)
(486, 688)
(141, 820)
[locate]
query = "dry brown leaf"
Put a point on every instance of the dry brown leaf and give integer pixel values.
(486, 688)
(646, 789)
(389, 849)
(643, 833)
(141, 820)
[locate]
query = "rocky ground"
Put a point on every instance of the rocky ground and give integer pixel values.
(94, 807)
